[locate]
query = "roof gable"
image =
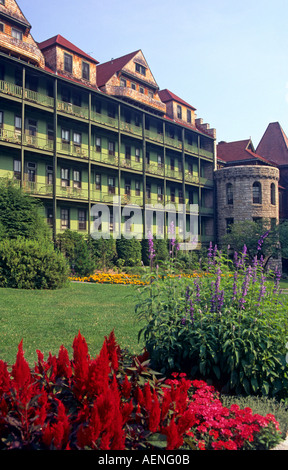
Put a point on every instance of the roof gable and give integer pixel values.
(274, 144)
(12, 9)
(58, 40)
(167, 95)
(240, 150)
(124, 64)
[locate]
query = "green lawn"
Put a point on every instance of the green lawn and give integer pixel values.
(47, 319)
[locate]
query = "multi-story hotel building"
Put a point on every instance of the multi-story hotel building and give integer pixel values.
(75, 133)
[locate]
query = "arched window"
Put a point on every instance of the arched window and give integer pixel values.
(273, 194)
(257, 193)
(229, 193)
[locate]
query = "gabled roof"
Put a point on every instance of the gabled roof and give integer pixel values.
(58, 40)
(238, 151)
(15, 12)
(274, 145)
(167, 95)
(106, 70)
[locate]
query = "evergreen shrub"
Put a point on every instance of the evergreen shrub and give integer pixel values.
(31, 264)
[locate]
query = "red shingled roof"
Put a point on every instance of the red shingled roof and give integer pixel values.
(274, 145)
(240, 150)
(106, 70)
(167, 95)
(62, 42)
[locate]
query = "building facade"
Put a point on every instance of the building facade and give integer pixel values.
(76, 133)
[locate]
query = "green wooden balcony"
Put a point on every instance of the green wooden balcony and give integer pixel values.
(71, 192)
(39, 98)
(10, 89)
(38, 141)
(131, 164)
(72, 109)
(191, 178)
(104, 157)
(10, 135)
(37, 188)
(154, 168)
(104, 120)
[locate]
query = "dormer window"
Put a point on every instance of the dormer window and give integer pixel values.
(189, 116)
(17, 34)
(85, 71)
(123, 82)
(179, 112)
(140, 69)
(1, 27)
(68, 62)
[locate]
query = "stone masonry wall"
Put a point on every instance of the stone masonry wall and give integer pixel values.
(242, 179)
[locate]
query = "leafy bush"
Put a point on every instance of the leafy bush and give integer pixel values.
(31, 264)
(20, 214)
(75, 248)
(129, 250)
(104, 252)
(116, 402)
(228, 326)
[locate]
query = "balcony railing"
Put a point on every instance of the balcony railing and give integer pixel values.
(10, 89)
(70, 148)
(104, 157)
(70, 192)
(131, 164)
(104, 120)
(155, 169)
(39, 142)
(37, 188)
(39, 98)
(174, 174)
(12, 136)
(72, 109)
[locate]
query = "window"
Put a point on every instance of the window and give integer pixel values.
(65, 95)
(137, 155)
(17, 169)
(150, 94)
(172, 164)
(85, 71)
(189, 116)
(32, 83)
(1, 27)
(50, 132)
(77, 138)
(141, 89)
(160, 161)
(65, 219)
(49, 174)
(31, 172)
(273, 194)
(65, 135)
(77, 179)
(111, 148)
(147, 158)
(257, 196)
(98, 181)
(179, 112)
(17, 34)
(111, 185)
(68, 62)
(123, 82)
(81, 219)
(137, 188)
(229, 222)
(140, 69)
(50, 216)
(98, 144)
(159, 193)
(137, 120)
(127, 187)
(65, 177)
(18, 123)
(229, 193)
(32, 127)
(128, 152)
(1, 120)
(133, 86)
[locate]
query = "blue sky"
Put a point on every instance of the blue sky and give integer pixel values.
(228, 59)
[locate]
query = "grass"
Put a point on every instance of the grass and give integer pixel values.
(47, 319)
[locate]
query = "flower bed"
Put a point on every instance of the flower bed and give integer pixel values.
(106, 403)
(123, 278)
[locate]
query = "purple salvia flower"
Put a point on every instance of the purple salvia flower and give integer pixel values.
(235, 286)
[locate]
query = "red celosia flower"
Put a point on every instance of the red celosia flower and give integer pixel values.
(126, 387)
(64, 368)
(81, 360)
(154, 413)
(57, 433)
(5, 381)
(113, 350)
(174, 441)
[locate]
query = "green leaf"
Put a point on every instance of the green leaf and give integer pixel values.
(158, 440)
